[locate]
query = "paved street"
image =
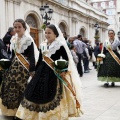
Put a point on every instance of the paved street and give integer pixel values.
(99, 103)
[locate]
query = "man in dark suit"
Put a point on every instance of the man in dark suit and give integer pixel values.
(3, 54)
(7, 38)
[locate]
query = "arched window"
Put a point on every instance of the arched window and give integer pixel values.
(95, 5)
(82, 32)
(31, 21)
(62, 27)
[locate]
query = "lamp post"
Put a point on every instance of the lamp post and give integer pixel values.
(46, 13)
(96, 26)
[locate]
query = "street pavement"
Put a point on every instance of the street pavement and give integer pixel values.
(99, 103)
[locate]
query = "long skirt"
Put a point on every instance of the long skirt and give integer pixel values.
(12, 88)
(109, 71)
(46, 98)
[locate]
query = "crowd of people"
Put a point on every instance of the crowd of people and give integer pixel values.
(33, 88)
(109, 66)
(83, 53)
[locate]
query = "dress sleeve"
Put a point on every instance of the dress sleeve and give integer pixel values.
(12, 55)
(40, 59)
(115, 44)
(63, 53)
(31, 57)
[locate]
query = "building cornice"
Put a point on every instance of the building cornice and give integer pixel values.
(88, 9)
(18, 2)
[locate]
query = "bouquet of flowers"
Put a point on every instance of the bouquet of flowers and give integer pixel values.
(100, 58)
(4, 64)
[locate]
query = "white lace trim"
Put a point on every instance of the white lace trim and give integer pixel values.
(24, 42)
(113, 45)
(25, 45)
(55, 45)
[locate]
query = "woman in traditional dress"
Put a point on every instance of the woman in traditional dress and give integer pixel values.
(46, 97)
(109, 71)
(24, 56)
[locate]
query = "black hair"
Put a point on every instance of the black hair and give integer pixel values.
(112, 31)
(22, 22)
(53, 28)
(71, 46)
(10, 29)
(64, 33)
(118, 33)
(79, 36)
(97, 43)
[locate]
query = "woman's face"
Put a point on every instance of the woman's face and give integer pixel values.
(19, 29)
(50, 35)
(111, 35)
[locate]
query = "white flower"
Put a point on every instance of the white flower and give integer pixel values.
(101, 55)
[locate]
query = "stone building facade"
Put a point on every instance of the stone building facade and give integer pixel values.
(109, 7)
(72, 16)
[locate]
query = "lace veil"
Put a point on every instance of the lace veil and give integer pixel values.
(71, 67)
(36, 52)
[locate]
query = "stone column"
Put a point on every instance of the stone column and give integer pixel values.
(75, 26)
(12, 11)
(41, 36)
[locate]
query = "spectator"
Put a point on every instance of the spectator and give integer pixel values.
(3, 54)
(64, 35)
(96, 52)
(73, 52)
(101, 45)
(7, 38)
(80, 47)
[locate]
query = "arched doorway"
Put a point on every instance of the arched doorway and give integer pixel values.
(63, 28)
(82, 32)
(32, 22)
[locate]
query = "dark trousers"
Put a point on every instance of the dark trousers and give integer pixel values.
(79, 65)
(85, 62)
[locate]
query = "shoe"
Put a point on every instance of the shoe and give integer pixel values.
(81, 75)
(87, 71)
(113, 84)
(106, 85)
(16, 118)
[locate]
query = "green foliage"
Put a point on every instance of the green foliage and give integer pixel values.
(43, 26)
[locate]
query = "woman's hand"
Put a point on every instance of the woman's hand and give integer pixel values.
(63, 74)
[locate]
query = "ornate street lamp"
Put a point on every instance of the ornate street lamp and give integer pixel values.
(96, 26)
(46, 13)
